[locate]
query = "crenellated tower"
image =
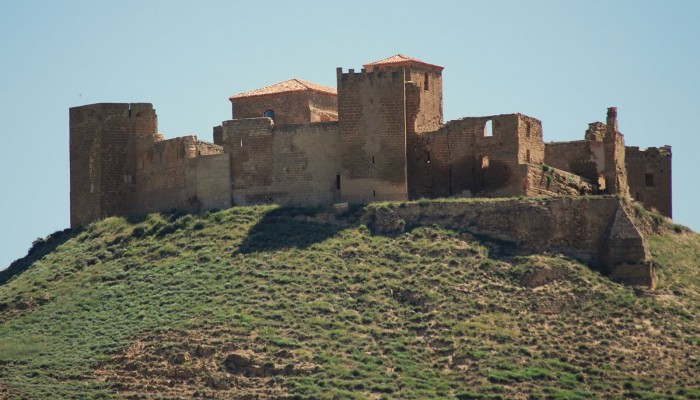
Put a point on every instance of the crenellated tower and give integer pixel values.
(380, 109)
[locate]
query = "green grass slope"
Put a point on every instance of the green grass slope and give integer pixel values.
(262, 302)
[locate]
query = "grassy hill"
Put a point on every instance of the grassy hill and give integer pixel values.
(264, 302)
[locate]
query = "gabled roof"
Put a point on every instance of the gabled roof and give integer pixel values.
(292, 85)
(401, 60)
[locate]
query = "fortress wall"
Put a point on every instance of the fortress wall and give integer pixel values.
(460, 160)
(573, 226)
(249, 143)
(555, 182)
(306, 164)
(289, 108)
(289, 164)
(531, 145)
(118, 131)
(372, 125)
(161, 180)
(102, 176)
(181, 174)
(85, 165)
(429, 82)
(649, 177)
(582, 157)
(441, 163)
(498, 156)
(595, 230)
(212, 176)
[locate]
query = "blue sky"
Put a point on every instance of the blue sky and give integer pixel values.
(563, 62)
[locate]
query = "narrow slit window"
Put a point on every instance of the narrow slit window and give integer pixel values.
(337, 182)
(426, 82)
(488, 128)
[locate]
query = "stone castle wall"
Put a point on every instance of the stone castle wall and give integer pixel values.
(181, 174)
(463, 158)
(372, 119)
(597, 230)
(649, 177)
(102, 138)
(383, 139)
(120, 165)
(582, 157)
(288, 164)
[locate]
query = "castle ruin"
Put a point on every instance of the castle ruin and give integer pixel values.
(378, 136)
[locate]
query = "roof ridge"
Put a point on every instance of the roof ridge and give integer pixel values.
(290, 85)
(400, 59)
(302, 82)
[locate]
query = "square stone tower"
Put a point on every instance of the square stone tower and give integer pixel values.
(374, 121)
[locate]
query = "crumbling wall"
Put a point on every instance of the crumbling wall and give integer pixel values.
(442, 163)
(101, 138)
(463, 158)
(614, 149)
(530, 142)
(626, 256)
(428, 117)
(582, 157)
(497, 152)
(543, 180)
(595, 230)
(649, 177)
(501, 149)
(600, 158)
(372, 124)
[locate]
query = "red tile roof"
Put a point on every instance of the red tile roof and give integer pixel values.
(400, 60)
(292, 85)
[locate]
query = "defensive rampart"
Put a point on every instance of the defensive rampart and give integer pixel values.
(599, 231)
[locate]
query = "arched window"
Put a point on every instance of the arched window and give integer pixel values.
(269, 114)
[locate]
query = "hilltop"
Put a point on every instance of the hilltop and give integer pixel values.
(269, 302)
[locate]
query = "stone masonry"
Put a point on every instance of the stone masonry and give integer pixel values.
(379, 135)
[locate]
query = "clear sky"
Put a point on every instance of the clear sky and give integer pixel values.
(563, 62)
